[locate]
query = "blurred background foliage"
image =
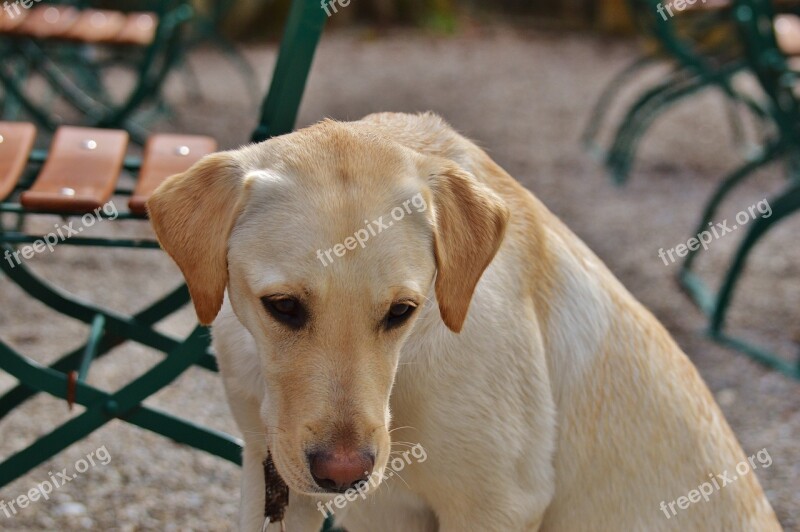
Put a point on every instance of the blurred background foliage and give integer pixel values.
(260, 19)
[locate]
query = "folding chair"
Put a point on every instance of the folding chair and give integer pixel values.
(700, 46)
(70, 46)
(77, 176)
(767, 58)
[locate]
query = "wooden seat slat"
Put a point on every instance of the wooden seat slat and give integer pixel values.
(48, 21)
(9, 23)
(88, 25)
(80, 172)
(787, 33)
(97, 25)
(166, 155)
(16, 142)
(139, 29)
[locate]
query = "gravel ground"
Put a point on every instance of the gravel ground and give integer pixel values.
(524, 96)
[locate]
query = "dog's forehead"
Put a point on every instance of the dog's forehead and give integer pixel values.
(338, 233)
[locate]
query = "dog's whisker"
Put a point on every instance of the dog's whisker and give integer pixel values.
(401, 449)
(384, 483)
(400, 442)
(398, 475)
(403, 427)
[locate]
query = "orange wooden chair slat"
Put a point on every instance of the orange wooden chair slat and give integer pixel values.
(97, 25)
(787, 33)
(80, 172)
(48, 21)
(88, 25)
(10, 22)
(165, 155)
(16, 142)
(139, 29)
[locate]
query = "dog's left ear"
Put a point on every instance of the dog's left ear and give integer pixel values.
(469, 223)
(192, 214)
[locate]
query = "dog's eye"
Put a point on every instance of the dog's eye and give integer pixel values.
(286, 310)
(399, 313)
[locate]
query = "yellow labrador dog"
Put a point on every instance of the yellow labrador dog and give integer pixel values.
(382, 289)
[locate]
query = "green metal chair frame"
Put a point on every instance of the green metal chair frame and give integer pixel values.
(755, 21)
(70, 73)
(696, 67)
(109, 329)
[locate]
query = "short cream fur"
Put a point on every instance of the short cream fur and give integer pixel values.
(546, 397)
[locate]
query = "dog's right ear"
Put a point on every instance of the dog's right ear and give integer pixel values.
(192, 214)
(469, 224)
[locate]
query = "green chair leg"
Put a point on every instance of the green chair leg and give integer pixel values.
(102, 407)
(641, 115)
(117, 325)
(149, 316)
(771, 152)
(652, 105)
(11, 106)
(782, 206)
(14, 89)
(606, 97)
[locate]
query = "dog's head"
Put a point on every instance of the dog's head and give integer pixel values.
(328, 241)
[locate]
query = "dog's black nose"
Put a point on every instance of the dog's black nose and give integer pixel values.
(340, 470)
